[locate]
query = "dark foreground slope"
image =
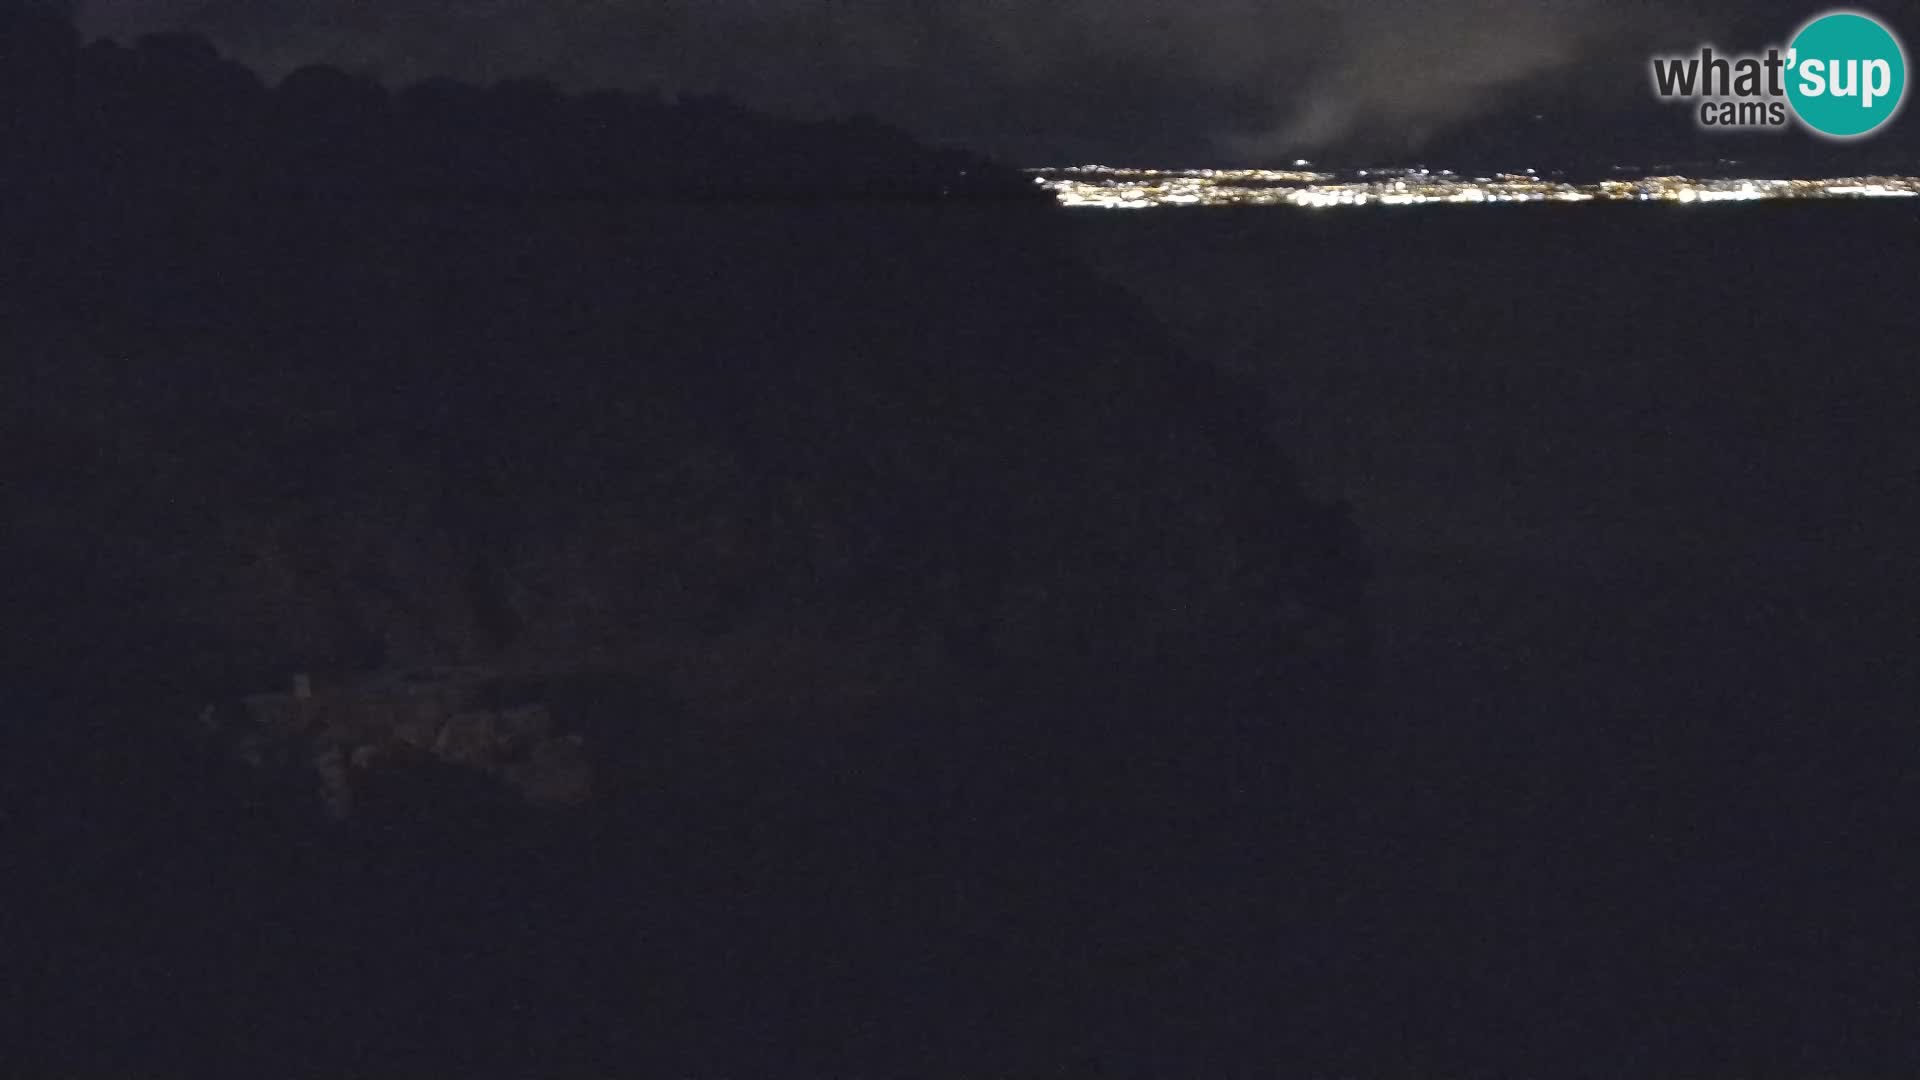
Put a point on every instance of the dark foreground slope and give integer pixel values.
(1644, 486)
(973, 686)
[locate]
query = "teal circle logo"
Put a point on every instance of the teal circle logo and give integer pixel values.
(1847, 74)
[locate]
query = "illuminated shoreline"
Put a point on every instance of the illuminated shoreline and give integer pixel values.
(1103, 187)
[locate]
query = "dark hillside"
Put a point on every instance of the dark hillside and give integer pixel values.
(968, 679)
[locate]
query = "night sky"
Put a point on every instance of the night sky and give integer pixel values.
(1053, 81)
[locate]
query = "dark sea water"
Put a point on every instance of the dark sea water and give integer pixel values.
(1643, 485)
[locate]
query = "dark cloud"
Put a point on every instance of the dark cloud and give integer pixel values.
(1035, 79)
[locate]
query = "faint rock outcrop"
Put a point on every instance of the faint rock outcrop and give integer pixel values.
(461, 717)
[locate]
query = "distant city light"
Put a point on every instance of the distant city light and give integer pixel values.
(1106, 187)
